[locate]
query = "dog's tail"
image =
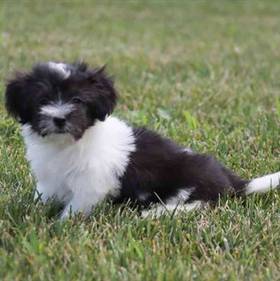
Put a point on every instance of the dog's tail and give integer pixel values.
(258, 185)
(263, 184)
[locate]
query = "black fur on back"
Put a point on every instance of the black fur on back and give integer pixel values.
(159, 169)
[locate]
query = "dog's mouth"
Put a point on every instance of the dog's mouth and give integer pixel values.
(75, 134)
(60, 131)
(47, 128)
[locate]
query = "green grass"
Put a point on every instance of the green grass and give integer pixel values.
(205, 74)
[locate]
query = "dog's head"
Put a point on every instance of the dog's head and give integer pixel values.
(57, 98)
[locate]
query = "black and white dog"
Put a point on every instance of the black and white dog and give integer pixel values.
(81, 155)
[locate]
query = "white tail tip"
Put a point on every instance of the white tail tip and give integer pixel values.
(263, 184)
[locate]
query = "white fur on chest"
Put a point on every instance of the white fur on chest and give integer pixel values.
(81, 172)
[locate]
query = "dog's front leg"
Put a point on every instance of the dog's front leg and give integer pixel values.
(80, 203)
(51, 190)
(67, 211)
(43, 192)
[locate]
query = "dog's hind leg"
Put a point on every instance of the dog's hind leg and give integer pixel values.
(171, 209)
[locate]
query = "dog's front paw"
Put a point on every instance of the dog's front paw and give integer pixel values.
(40, 196)
(66, 213)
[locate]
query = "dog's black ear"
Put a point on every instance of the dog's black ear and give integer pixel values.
(104, 95)
(15, 99)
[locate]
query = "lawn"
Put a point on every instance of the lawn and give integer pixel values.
(206, 74)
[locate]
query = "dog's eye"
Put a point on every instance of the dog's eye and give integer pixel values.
(76, 100)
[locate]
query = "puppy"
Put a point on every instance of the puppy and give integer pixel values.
(80, 155)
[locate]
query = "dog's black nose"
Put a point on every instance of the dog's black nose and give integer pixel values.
(59, 122)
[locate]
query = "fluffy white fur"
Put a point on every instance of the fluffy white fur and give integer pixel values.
(80, 173)
(264, 184)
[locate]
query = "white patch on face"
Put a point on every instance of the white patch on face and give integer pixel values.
(59, 110)
(60, 68)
